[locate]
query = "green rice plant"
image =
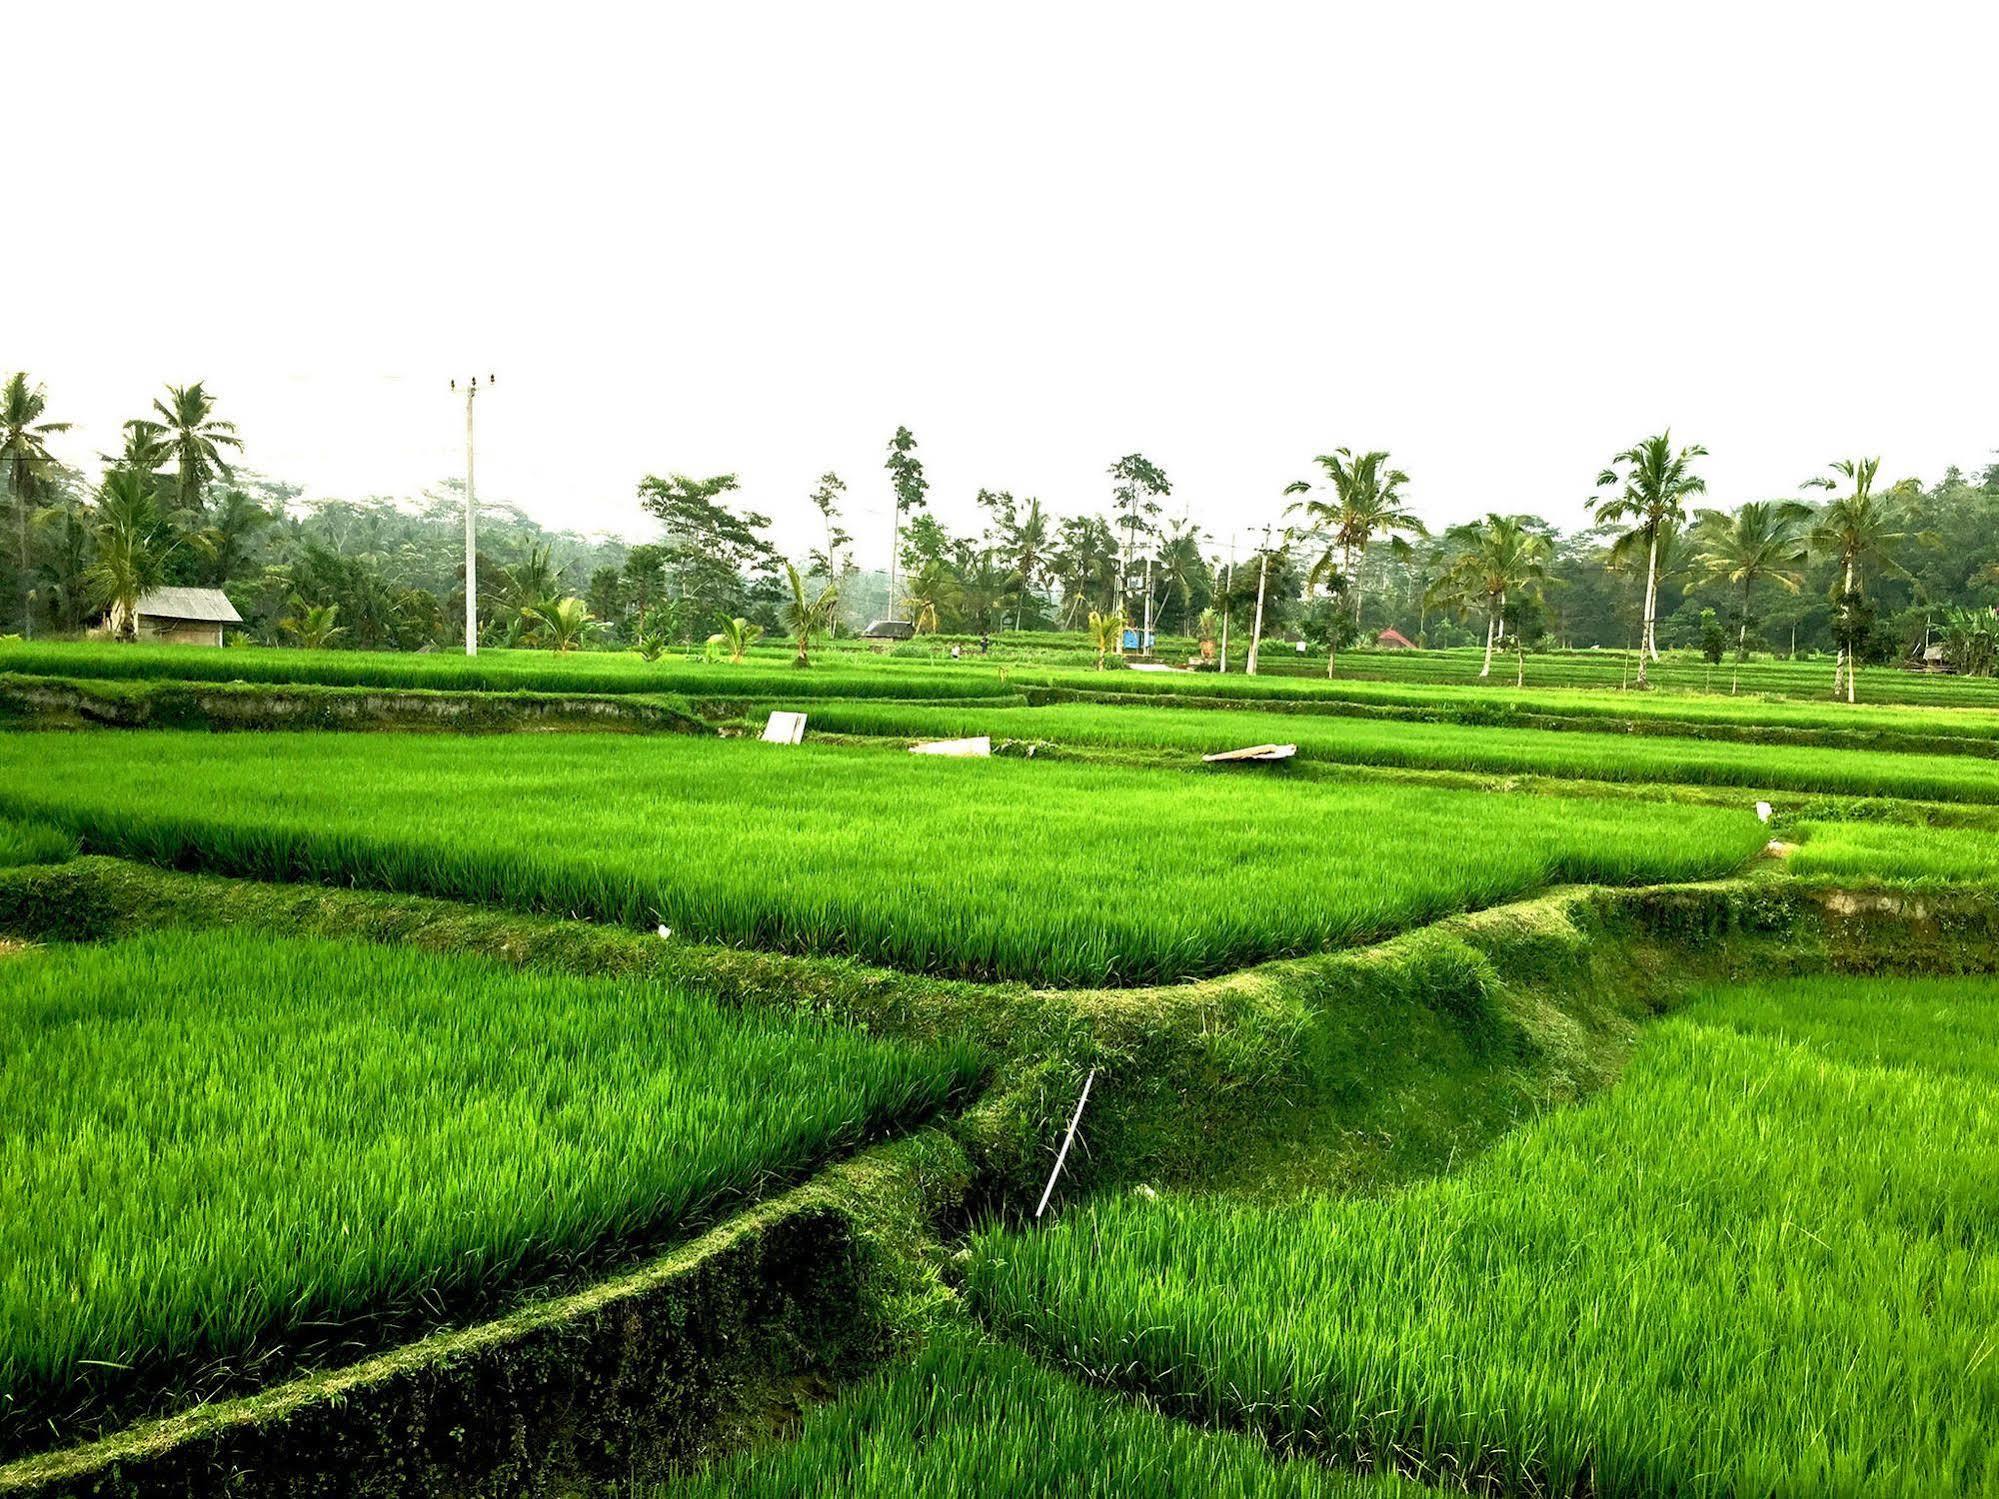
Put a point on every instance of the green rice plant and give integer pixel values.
(1892, 725)
(1765, 1262)
(490, 671)
(212, 1141)
(1899, 852)
(34, 843)
(1434, 746)
(967, 1418)
(1049, 872)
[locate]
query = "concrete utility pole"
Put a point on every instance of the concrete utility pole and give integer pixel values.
(1256, 632)
(1145, 640)
(471, 526)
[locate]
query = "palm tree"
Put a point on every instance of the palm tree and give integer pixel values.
(1653, 491)
(66, 558)
(1857, 529)
(131, 553)
(1762, 541)
(146, 449)
(1106, 634)
(564, 622)
(1086, 565)
(1027, 547)
(196, 440)
(1180, 565)
(1366, 502)
(25, 455)
(1490, 563)
(313, 626)
(808, 618)
(736, 636)
(223, 542)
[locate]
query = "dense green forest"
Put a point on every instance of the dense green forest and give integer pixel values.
(1884, 568)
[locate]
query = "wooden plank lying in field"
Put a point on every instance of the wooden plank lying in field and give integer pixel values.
(1254, 752)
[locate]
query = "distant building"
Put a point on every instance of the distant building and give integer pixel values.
(1394, 640)
(185, 616)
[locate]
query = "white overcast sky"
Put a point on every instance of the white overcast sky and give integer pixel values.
(1501, 241)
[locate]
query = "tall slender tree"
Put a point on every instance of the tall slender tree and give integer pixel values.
(1653, 482)
(24, 454)
(195, 439)
(1365, 502)
(825, 499)
(911, 489)
(1857, 530)
(1139, 482)
(1027, 548)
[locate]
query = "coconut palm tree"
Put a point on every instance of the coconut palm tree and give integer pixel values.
(24, 454)
(808, 618)
(132, 550)
(195, 439)
(1653, 481)
(1488, 564)
(1027, 547)
(224, 543)
(1181, 566)
(1366, 502)
(1106, 634)
(563, 622)
(313, 626)
(1856, 530)
(1761, 542)
(736, 636)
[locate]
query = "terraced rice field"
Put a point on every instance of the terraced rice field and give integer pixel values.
(1431, 746)
(1042, 872)
(211, 1143)
(1766, 1262)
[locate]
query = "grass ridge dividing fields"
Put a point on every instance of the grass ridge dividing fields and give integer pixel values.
(1049, 873)
(213, 1143)
(1766, 1262)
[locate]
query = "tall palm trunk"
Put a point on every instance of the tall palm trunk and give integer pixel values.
(1354, 564)
(1651, 603)
(1842, 667)
(1492, 617)
(27, 608)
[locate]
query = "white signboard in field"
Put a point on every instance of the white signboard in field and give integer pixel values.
(784, 728)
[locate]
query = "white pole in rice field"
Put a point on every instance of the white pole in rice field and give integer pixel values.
(1145, 640)
(1067, 1141)
(471, 525)
(1256, 630)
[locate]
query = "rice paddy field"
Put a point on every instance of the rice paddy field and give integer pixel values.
(1766, 1262)
(214, 1142)
(1479, 1103)
(1046, 873)
(1430, 746)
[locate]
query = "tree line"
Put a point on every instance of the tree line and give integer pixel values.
(1853, 566)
